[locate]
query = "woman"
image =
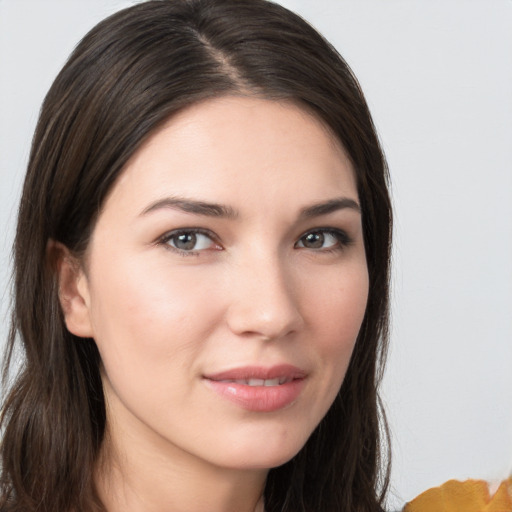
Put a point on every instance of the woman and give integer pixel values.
(201, 273)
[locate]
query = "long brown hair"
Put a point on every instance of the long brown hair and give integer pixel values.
(126, 77)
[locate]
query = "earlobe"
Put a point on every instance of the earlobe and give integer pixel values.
(73, 290)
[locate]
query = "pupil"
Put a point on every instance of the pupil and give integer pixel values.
(186, 241)
(314, 240)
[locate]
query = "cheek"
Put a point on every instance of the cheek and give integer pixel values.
(338, 314)
(146, 316)
(340, 304)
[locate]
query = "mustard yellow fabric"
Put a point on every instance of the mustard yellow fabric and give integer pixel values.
(468, 496)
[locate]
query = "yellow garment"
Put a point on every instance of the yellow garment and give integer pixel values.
(468, 496)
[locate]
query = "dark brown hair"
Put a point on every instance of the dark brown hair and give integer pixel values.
(126, 77)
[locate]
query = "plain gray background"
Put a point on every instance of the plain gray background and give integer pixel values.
(438, 77)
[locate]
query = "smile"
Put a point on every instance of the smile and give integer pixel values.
(259, 389)
(260, 382)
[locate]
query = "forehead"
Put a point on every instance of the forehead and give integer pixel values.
(235, 147)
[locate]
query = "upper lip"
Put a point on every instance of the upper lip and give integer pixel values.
(288, 371)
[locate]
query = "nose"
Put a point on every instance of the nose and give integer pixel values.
(264, 300)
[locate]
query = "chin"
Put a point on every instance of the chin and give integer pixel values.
(267, 452)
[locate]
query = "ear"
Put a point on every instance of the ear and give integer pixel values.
(74, 294)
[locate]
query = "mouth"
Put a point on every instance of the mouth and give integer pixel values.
(259, 375)
(259, 389)
(260, 382)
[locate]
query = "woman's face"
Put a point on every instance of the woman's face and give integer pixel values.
(225, 284)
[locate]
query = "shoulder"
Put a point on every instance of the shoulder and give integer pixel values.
(456, 495)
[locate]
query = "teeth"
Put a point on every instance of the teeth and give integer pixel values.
(260, 382)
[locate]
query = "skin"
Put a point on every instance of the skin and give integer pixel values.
(255, 291)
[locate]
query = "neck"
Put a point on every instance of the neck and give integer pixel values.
(176, 491)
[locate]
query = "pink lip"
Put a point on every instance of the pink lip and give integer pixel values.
(259, 398)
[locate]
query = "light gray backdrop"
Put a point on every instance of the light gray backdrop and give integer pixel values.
(438, 78)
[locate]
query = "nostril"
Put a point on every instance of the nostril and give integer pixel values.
(269, 323)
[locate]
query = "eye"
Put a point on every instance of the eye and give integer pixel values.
(323, 239)
(189, 241)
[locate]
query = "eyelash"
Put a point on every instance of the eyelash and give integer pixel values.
(342, 238)
(190, 231)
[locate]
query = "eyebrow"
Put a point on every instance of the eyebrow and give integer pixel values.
(192, 206)
(224, 211)
(331, 206)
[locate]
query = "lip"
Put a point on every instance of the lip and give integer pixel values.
(259, 398)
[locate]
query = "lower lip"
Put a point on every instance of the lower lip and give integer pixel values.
(259, 398)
